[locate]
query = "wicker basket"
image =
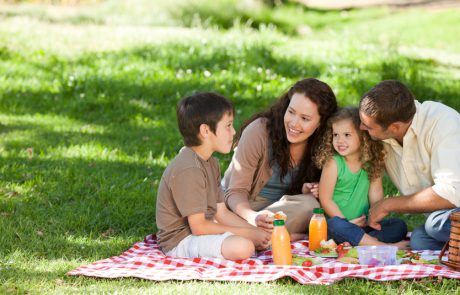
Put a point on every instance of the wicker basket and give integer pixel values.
(453, 244)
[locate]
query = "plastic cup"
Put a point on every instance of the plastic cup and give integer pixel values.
(377, 255)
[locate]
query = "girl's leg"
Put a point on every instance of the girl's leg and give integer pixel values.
(341, 230)
(393, 230)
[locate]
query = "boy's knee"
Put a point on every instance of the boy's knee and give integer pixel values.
(237, 248)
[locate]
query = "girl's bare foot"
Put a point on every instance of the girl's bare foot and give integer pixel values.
(403, 245)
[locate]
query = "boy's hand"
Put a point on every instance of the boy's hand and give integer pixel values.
(360, 221)
(264, 220)
(311, 188)
(261, 239)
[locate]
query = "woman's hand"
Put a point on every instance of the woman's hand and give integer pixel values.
(311, 188)
(264, 220)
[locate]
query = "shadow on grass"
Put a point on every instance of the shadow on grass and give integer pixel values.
(75, 207)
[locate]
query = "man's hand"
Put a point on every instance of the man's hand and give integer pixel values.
(311, 188)
(264, 220)
(360, 221)
(377, 212)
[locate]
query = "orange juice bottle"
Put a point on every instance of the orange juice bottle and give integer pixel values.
(281, 244)
(317, 229)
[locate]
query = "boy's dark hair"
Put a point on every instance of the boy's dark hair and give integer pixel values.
(388, 102)
(200, 108)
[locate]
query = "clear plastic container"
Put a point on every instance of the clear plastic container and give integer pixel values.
(377, 255)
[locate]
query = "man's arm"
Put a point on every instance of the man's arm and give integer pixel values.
(422, 202)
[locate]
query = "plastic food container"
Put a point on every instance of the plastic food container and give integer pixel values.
(377, 255)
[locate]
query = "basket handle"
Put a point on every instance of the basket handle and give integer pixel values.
(441, 254)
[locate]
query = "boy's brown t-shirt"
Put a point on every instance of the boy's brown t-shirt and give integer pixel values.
(189, 185)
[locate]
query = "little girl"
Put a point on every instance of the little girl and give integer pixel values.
(351, 181)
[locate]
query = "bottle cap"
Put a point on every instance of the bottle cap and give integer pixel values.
(278, 222)
(318, 211)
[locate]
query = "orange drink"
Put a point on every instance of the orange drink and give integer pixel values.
(317, 229)
(281, 244)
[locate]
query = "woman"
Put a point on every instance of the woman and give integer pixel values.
(272, 168)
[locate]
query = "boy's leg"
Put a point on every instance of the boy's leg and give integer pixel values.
(298, 208)
(236, 248)
(393, 230)
(201, 246)
(341, 230)
(434, 233)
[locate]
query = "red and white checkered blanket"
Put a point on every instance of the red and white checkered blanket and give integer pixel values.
(145, 260)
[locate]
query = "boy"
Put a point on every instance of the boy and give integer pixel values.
(191, 217)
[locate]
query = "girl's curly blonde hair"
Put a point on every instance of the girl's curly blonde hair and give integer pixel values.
(372, 153)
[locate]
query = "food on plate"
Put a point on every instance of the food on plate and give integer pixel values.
(409, 257)
(330, 244)
(304, 261)
(350, 260)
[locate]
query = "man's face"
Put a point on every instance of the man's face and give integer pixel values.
(375, 131)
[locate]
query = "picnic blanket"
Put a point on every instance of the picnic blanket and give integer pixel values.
(146, 261)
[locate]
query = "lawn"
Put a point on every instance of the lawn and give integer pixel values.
(87, 115)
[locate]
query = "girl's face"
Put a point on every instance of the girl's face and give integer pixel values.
(301, 118)
(345, 138)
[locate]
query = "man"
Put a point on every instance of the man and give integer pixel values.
(422, 142)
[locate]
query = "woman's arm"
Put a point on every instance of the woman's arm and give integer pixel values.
(326, 189)
(246, 161)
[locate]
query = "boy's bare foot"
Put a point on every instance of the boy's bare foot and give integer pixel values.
(297, 237)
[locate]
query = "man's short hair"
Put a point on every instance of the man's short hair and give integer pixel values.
(200, 108)
(388, 102)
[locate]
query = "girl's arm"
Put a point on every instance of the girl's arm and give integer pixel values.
(375, 191)
(326, 189)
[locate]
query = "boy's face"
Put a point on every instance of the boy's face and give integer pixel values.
(223, 139)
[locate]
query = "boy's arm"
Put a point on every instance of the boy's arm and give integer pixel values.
(201, 226)
(326, 189)
(375, 191)
(227, 217)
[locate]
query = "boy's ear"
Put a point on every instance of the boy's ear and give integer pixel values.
(204, 130)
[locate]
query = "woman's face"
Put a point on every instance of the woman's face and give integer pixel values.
(301, 118)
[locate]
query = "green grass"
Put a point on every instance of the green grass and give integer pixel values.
(87, 119)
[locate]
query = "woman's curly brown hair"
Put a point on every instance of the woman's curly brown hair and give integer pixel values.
(372, 154)
(322, 95)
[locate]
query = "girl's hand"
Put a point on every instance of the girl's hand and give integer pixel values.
(264, 220)
(360, 221)
(311, 188)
